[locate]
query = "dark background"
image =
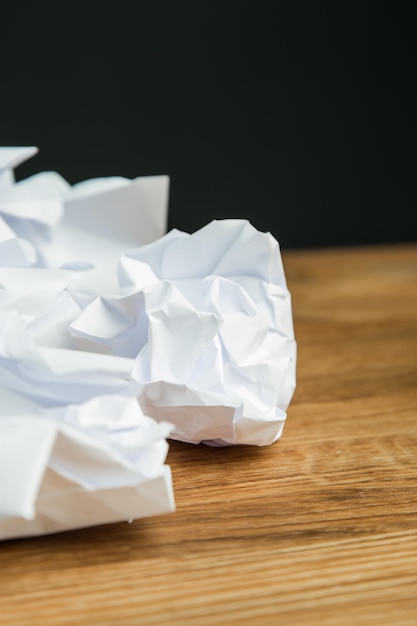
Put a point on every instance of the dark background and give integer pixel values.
(298, 115)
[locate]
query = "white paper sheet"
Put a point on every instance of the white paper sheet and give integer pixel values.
(10, 158)
(207, 319)
(95, 463)
(87, 225)
(109, 332)
(75, 447)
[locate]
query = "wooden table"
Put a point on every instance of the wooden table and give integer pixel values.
(320, 528)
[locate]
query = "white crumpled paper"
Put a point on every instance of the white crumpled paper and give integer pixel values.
(207, 319)
(84, 226)
(75, 447)
(92, 463)
(98, 311)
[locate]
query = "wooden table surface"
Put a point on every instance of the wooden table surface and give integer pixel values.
(320, 528)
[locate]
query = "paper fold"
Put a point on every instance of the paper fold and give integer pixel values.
(96, 463)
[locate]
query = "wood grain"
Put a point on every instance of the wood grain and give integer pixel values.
(320, 528)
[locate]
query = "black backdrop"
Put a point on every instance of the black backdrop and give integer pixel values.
(299, 116)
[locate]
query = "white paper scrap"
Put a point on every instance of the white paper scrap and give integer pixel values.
(11, 157)
(95, 463)
(75, 447)
(114, 337)
(87, 225)
(207, 319)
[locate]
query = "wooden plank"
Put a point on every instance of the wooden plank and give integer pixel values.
(320, 528)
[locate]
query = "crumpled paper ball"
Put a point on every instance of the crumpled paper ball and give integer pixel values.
(207, 319)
